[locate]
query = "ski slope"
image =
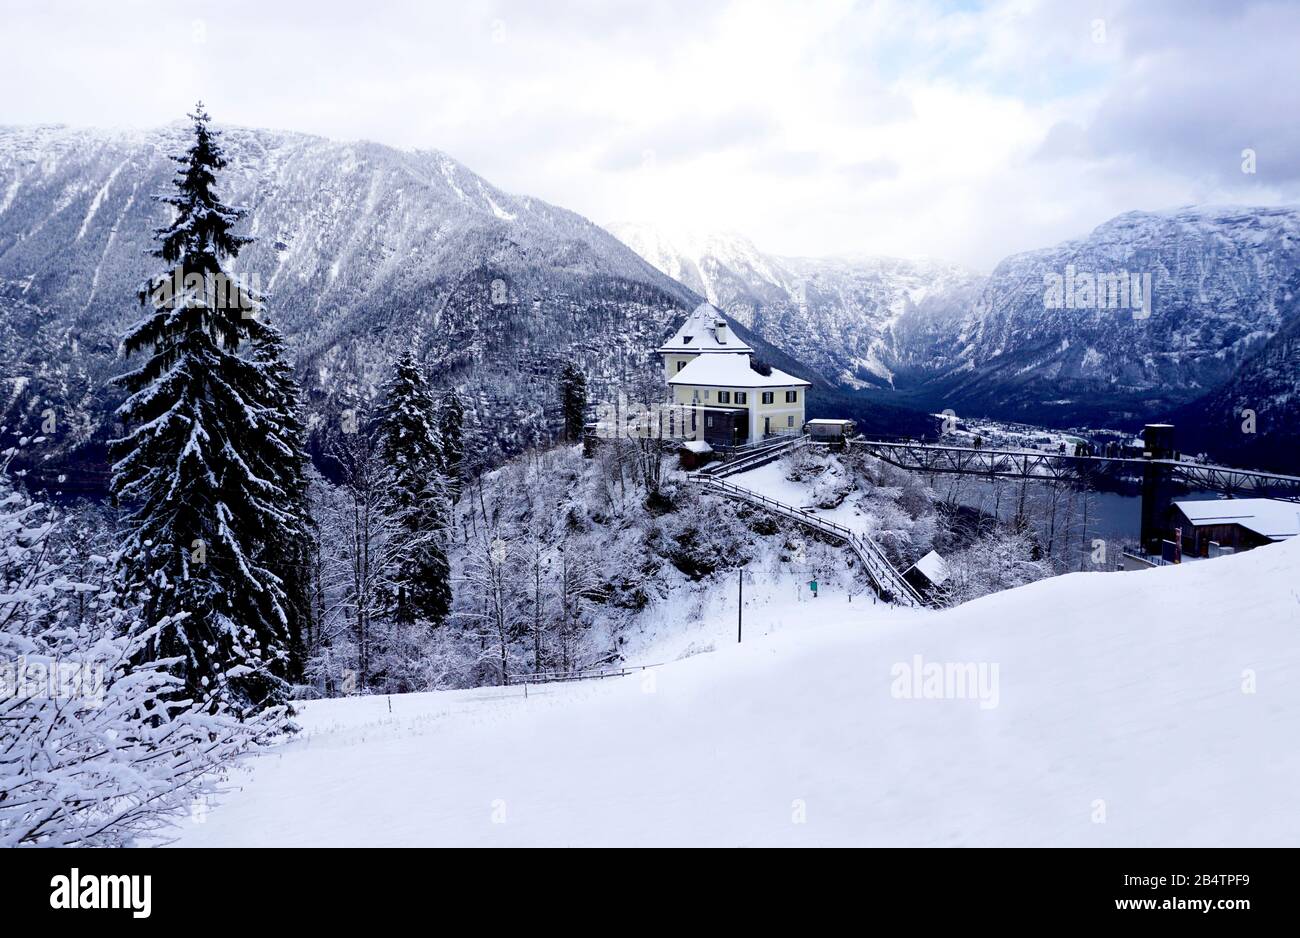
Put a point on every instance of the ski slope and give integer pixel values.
(1121, 718)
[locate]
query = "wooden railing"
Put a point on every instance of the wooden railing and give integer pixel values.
(885, 579)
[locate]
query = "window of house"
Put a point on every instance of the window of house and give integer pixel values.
(681, 365)
(724, 397)
(742, 397)
(791, 397)
(789, 421)
(767, 397)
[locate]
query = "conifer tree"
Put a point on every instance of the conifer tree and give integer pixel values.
(291, 546)
(203, 467)
(451, 434)
(573, 396)
(410, 446)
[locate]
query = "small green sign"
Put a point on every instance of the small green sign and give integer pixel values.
(812, 585)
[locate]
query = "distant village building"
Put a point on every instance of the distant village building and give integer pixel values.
(1234, 524)
(720, 396)
(928, 574)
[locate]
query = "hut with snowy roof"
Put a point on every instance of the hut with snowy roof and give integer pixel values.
(1210, 526)
(928, 574)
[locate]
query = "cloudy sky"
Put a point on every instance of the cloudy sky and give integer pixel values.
(957, 130)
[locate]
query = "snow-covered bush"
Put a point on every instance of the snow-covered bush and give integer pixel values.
(997, 561)
(96, 748)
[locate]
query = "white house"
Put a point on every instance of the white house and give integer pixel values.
(720, 396)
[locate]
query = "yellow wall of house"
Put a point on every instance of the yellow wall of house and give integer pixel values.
(779, 410)
(671, 362)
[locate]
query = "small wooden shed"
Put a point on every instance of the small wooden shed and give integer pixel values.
(826, 430)
(694, 454)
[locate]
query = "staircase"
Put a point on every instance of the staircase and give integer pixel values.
(885, 579)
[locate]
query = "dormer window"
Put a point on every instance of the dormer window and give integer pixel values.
(686, 339)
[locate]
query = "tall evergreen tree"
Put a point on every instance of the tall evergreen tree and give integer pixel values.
(451, 433)
(411, 449)
(573, 399)
(203, 466)
(291, 546)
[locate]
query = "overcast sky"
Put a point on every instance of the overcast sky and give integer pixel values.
(964, 131)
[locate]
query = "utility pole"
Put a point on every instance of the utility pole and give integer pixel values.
(740, 605)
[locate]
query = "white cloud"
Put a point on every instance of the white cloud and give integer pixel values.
(813, 127)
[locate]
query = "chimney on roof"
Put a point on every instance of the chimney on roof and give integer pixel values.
(720, 330)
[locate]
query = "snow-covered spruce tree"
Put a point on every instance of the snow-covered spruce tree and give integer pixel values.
(291, 549)
(573, 400)
(451, 434)
(201, 468)
(411, 448)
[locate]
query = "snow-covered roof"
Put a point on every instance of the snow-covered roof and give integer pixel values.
(732, 371)
(697, 446)
(828, 422)
(704, 331)
(1267, 517)
(933, 567)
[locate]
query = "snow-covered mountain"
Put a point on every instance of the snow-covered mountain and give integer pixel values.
(1254, 419)
(1221, 281)
(835, 314)
(363, 249)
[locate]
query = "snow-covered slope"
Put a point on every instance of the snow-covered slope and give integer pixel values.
(1135, 709)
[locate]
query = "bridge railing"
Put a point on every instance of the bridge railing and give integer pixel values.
(755, 458)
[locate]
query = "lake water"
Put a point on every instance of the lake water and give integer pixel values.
(1111, 515)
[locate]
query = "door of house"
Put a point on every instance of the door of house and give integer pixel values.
(767, 426)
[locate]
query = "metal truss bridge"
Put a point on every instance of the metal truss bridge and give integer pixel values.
(1154, 473)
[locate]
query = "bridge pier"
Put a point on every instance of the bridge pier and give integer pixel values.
(1156, 480)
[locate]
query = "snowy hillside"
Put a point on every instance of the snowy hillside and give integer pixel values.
(1126, 709)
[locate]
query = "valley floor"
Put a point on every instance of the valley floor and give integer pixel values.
(1130, 709)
